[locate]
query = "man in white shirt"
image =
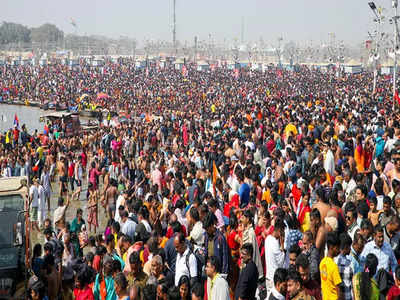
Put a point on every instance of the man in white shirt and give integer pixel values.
(349, 184)
(184, 265)
(34, 201)
(45, 182)
(42, 205)
(128, 227)
(274, 252)
(197, 232)
(233, 182)
(217, 286)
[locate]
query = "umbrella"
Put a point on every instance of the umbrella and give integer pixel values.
(101, 96)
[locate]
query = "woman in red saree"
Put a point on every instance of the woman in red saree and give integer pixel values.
(233, 239)
(303, 215)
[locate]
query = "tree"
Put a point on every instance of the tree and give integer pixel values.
(47, 33)
(14, 33)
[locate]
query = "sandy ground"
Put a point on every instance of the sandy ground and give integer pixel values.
(71, 210)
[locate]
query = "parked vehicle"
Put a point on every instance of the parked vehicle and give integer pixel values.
(14, 233)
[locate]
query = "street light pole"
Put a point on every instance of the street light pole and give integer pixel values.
(396, 47)
(280, 39)
(378, 20)
(375, 57)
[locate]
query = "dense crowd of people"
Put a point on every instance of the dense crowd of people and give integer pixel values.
(266, 185)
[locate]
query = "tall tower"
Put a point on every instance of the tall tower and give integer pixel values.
(242, 31)
(174, 28)
(195, 49)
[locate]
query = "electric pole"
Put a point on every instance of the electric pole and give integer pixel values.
(195, 49)
(242, 31)
(174, 28)
(396, 48)
(378, 37)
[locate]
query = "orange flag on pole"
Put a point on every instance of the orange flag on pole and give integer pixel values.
(215, 175)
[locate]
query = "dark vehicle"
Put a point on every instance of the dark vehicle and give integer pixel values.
(14, 234)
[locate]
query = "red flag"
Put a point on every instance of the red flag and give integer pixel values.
(46, 129)
(396, 97)
(16, 121)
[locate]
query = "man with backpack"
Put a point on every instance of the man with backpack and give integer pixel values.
(186, 262)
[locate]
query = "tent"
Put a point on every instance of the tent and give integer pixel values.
(353, 67)
(178, 64)
(203, 66)
(387, 67)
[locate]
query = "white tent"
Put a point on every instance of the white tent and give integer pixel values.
(353, 67)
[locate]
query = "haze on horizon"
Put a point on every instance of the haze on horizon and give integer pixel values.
(297, 20)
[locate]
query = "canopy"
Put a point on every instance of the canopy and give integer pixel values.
(101, 96)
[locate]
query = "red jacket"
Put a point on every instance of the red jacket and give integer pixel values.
(393, 292)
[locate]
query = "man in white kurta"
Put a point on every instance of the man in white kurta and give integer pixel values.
(42, 205)
(217, 286)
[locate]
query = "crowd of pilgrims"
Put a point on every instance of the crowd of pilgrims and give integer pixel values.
(220, 185)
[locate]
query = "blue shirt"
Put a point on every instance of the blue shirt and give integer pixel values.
(385, 255)
(346, 273)
(357, 261)
(244, 194)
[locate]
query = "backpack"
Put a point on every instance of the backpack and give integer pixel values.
(58, 247)
(292, 171)
(200, 257)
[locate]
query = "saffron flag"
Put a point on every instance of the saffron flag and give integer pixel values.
(215, 174)
(16, 121)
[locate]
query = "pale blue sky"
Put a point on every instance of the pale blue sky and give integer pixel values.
(297, 20)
